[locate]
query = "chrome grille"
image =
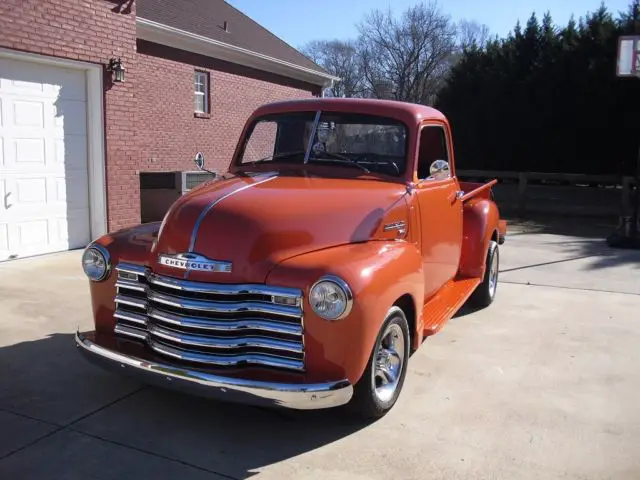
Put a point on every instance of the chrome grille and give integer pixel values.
(206, 323)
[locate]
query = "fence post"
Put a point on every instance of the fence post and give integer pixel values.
(522, 193)
(626, 195)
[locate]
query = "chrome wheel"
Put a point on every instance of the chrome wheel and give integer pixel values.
(389, 360)
(493, 275)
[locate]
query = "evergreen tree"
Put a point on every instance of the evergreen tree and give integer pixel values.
(547, 99)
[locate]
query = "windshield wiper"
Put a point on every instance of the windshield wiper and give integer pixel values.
(274, 157)
(352, 161)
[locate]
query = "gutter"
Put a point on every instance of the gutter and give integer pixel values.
(174, 37)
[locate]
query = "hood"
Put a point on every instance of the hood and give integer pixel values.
(257, 222)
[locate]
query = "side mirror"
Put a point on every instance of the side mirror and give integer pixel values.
(199, 160)
(439, 170)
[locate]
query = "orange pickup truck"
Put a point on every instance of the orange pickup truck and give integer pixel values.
(306, 274)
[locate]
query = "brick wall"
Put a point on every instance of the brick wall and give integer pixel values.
(169, 132)
(91, 31)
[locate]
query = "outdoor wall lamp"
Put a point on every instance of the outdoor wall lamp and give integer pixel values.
(116, 67)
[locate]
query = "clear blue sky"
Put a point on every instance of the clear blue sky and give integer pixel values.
(298, 21)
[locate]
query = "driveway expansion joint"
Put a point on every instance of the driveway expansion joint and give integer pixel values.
(562, 287)
(68, 426)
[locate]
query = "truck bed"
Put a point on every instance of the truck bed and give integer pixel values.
(483, 190)
(474, 190)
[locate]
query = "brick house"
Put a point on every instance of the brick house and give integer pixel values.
(76, 144)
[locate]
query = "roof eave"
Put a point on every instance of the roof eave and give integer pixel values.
(174, 37)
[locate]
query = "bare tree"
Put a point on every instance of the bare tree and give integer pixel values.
(472, 33)
(340, 58)
(406, 58)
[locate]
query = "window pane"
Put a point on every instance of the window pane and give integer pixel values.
(374, 142)
(200, 103)
(378, 143)
(433, 146)
(200, 81)
(201, 91)
(358, 138)
(262, 141)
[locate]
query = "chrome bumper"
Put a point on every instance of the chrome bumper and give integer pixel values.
(296, 396)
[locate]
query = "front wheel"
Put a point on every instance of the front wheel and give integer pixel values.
(485, 293)
(379, 387)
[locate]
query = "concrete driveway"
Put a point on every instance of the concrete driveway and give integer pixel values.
(544, 384)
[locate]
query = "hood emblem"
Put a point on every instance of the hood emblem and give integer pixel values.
(194, 262)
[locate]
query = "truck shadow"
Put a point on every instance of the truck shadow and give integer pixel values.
(47, 380)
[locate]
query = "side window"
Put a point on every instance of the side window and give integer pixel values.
(201, 92)
(433, 146)
(262, 142)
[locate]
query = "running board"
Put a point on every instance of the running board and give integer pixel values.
(444, 305)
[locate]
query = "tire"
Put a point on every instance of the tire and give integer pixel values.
(372, 399)
(485, 293)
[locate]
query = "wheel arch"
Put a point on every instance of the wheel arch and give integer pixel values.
(380, 275)
(480, 226)
(408, 305)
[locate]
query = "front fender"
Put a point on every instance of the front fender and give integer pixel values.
(378, 273)
(133, 245)
(480, 221)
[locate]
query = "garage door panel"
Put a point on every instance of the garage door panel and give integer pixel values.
(73, 192)
(29, 151)
(66, 84)
(18, 76)
(70, 152)
(43, 159)
(30, 192)
(4, 238)
(33, 232)
(3, 196)
(75, 234)
(70, 117)
(28, 113)
(60, 190)
(63, 191)
(24, 86)
(41, 196)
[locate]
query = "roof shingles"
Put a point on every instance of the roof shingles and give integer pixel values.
(207, 17)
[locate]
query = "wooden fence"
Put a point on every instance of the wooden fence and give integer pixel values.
(565, 193)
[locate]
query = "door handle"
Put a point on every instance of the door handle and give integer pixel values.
(457, 195)
(6, 201)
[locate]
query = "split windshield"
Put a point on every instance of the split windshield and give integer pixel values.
(370, 143)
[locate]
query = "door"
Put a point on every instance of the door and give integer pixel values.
(44, 198)
(440, 210)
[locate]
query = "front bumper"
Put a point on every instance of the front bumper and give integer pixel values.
(196, 382)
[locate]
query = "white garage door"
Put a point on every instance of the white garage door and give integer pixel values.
(44, 198)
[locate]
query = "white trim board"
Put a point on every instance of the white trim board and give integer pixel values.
(95, 131)
(174, 37)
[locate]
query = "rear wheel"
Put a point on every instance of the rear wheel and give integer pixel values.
(379, 387)
(485, 293)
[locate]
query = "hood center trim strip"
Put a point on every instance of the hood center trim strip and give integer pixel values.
(196, 227)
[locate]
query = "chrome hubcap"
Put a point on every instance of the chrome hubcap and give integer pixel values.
(493, 275)
(389, 359)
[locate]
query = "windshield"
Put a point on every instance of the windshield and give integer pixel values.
(370, 143)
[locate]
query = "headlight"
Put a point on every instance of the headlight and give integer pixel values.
(96, 262)
(331, 298)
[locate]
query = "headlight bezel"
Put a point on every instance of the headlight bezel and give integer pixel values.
(342, 285)
(104, 253)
